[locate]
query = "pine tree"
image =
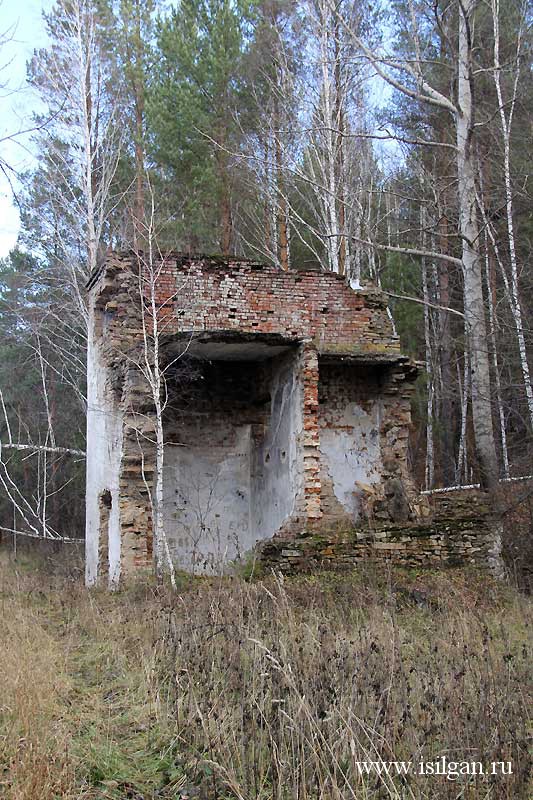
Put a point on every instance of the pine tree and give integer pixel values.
(195, 97)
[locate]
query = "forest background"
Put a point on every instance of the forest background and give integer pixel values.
(386, 142)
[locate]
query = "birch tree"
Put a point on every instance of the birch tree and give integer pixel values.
(151, 366)
(66, 209)
(409, 76)
(506, 110)
(41, 443)
(83, 141)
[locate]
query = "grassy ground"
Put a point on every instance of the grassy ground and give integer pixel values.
(267, 690)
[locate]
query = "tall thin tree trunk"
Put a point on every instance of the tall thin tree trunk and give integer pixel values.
(445, 359)
(283, 238)
(226, 222)
(506, 122)
(138, 94)
(281, 200)
(474, 307)
(267, 205)
(430, 456)
(461, 468)
(85, 89)
(339, 146)
(154, 373)
(139, 172)
(330, 194)
(495, 364)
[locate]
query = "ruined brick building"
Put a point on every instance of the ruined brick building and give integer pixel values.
(287, 411)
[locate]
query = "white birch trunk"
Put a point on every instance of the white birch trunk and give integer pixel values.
(495, 365)
(474, 307)
(84, 43)
(332, 232)
(506, 123)
(152, 369)
(464, 392)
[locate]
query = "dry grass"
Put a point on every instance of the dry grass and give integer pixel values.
(265, 690)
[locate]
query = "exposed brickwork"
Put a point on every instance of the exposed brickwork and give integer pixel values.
(206, 294)
(117, 299)
(311, 444)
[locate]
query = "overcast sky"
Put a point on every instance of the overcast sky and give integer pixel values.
(22, 26)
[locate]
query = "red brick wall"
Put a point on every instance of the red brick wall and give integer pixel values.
(203, 294)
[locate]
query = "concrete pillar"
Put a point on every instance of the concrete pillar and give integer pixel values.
(104, 449)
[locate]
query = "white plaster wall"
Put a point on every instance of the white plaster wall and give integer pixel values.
(233, 478)
(104, 452)
(277, 472)
(350, 443)
(207, 496)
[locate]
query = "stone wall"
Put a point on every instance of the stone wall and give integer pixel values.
(459, 530)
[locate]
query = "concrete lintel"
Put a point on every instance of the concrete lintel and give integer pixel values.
(365, 358)
(228, 345)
